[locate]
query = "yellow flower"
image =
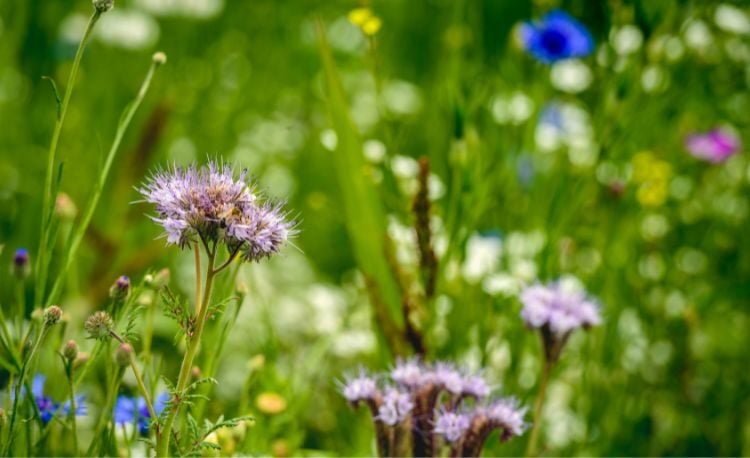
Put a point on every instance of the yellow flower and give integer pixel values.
(359, 16)
(653, 176)
(365, 20)
(270, 403)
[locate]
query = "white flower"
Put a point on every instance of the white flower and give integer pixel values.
(732, 19)
(571, 75)
(627, 39)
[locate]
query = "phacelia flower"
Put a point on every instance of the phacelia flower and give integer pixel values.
(561, 308)
(506, 414)
(133, 411)
(409, 373)
(715, 146)
(557, 310)
(556, 36)
(21, 265)
(48, 408)
(451, 425)
(396, 407)
(208, 203)
(360, 388)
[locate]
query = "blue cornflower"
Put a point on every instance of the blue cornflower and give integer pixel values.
(48, 408)
(133, 410)
(557, 36)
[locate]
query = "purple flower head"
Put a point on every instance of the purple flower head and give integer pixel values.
(715, 146)
(475, 386)
(21, 258)
(410, 374)
(560, 308)
(395, 408)
(452, 425)
(448, 378)
(133, 410)
(208, 203)
(556, 36)
(506, 414)
(360, 388)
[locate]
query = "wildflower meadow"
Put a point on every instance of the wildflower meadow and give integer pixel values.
(438, 228)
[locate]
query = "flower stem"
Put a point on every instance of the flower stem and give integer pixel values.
(41, 263)
(80, 231)
(72, 414)
(164, 435)
(531, 448)
(19, 384)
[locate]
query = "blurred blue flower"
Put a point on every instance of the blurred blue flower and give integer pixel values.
(48, 408)
(133, 410)
(557, 36)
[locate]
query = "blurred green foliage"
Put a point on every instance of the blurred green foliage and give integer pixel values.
(667, 374)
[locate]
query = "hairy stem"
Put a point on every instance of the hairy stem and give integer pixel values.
(41, 264)
(164, 435)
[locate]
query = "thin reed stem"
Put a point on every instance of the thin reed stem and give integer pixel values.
(72, 413)
(531, 447)
(41, 264)
(19, 383)
(80, 231)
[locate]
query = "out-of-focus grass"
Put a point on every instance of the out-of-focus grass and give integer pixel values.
(666, 373)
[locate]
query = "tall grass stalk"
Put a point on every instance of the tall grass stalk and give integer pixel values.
(42, 263)
(127, 116)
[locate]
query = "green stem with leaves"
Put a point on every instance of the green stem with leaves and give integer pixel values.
(62, 109)
(202, 305)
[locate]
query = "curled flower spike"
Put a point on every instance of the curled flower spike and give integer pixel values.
(428, 401)
(395, 408)
(556, 36)
(360, 388)
(211, 205)
(451, 425)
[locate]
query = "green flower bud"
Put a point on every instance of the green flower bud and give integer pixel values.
(99, 325)
(52, 315)
(124, 355)
(70, 350)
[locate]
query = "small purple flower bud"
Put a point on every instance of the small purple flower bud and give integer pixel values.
(448, 378)
(452, 425)
(21, 264)
(475, 386)
(120, 289)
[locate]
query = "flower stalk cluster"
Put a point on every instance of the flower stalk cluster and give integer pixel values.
(208, 209)
(555, 310)
(423, 408)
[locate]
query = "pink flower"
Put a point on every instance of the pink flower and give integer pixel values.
(715, 146)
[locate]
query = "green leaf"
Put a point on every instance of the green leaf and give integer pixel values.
(363, 210)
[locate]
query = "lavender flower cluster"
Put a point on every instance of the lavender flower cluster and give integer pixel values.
(422, 403)
(557, 310)
(209, 204)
